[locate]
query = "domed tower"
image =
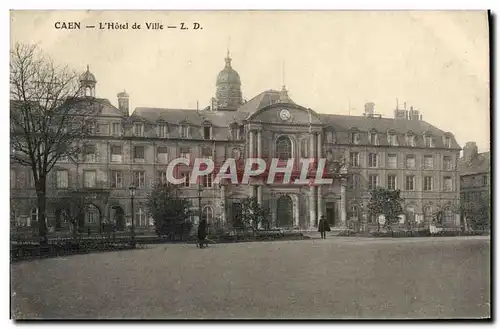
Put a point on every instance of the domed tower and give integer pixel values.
(87, 83)
(123, 102)
(228, 88)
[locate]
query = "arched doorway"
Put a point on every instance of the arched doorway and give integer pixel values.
(119, 218)
(284, 212)
(236, 212)
(92, 215)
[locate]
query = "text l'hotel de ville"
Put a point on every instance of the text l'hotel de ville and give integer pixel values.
(71, 25)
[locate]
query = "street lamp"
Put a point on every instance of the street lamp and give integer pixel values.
(200, 189)
(132, 229)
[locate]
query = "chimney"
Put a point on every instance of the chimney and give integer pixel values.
(470, 151)
(123, 102)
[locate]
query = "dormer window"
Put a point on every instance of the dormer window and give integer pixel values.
(428, 141)
(162, 130)
(355, 138)
(330, 136)
(139, 129)
(207, 132)
(234, 130)
(373, 138)
(410, 140)
(241, 132)
(185, 131)
(392, 139)
(447, 142)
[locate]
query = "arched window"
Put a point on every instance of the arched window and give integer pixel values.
(92, 215)
(410, 213)
(283, 148)
(428, 214)
(141, 218)
(447, 216)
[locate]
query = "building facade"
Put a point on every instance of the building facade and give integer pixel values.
(403, 153)
(475, 178)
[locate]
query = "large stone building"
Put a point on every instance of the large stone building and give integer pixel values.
(403, 152)
(475, 185)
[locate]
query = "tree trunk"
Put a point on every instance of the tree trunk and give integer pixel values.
(41, 204)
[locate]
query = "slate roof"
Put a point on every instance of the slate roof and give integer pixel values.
(481, 163)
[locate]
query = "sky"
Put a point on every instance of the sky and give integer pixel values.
(330, 61)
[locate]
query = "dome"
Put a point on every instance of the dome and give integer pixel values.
(228, 74)
(122, 94)
(87, 76)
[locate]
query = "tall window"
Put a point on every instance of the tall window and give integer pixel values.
(206, 152)
(392, 139)
(354, 212)
(185, 131)
(354, 157)
(428, 141)
(283, 148)
(391, 182)
(392, 161)
(304, 147)
(410, 162)
(139, 179)
(141, 218)
(186, 182)
(116, 153)
(62, 179)
(89, 178)
(92, 215)
(410, 140)
(207, 180)
(373, 137)
(208, 214)
(372, 160)
(161, 177)
(447, 163)
(207, 132)
(162, 154)
(139, 129)
(428, 162)
(447, 215)
(427, 183)
(447, 142)
(13, 178)
(33, 216)
(372, 182)
(162, 130)
(139, 153)
(447, 184)
(353, 182)
(90, 153)
(104, 129)
(410, 183)
(116, 128)
(116, 179)
(410, 212)
(185, 152)
(355, 138)
(330, 136)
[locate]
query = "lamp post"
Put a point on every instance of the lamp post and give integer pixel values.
(132, 228)
(200, 189)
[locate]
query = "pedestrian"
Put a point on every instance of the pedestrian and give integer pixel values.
(202, 232)
(323, 227)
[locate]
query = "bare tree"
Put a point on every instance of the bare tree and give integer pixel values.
(49, 116)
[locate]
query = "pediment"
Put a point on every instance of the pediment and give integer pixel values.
(285, 113)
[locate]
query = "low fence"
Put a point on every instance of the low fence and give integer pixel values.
(416, 233)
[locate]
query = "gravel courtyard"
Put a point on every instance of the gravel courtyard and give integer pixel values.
(309, 279)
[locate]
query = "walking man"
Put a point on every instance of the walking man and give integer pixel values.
(202, 232)
(323, 227)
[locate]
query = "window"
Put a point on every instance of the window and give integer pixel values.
(354, 158)
(355, 138)
(447, 163)
(206, 152)
(372, 182)
(139, 153)
(427, 183)
(391, 182)
(330, 136)
(207, 180)
(234, 131)
(447, 184)
(161, 177)
(185, 152)
(62, 179)
(447, 216)
(411, 140)
(207, 132)
(90, 154)
(185, 131)
(116, 129)
(162, 130)
(372, 160)
(116, 179)
(139, 129)
(392, 161)
(428, 162)
(304, 147)
(208, 214)
(428, 141)
(353, 182)
(33, 215)
(12, 178)
(92, 214)
(447, 142)
(410, 162)
(186, 182)
(116, 153)
(93, 128)
(410, 183)
(241, 134)
(373, 137)
(141, 218)
(104, 129)
(485, 180)
(162, 154)
(89, 178)
(283, 148)
(354, 212)
(139, 179)
(391, 138)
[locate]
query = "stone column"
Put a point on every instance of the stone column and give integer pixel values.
(311, 146)
(223, 205)
(343, 214)
(259, 144)
(320, 201)
(312, 207)
(320, 146)
(296, 211)
(250, 144)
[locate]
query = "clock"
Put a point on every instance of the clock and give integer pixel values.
(285, 114)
